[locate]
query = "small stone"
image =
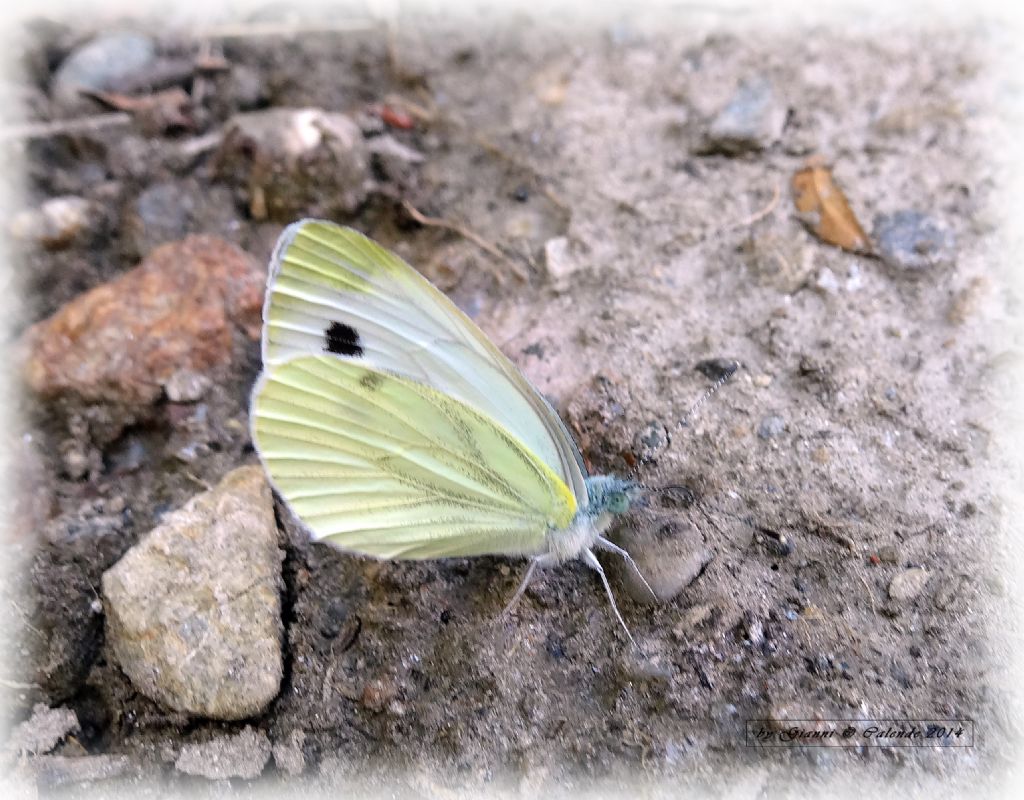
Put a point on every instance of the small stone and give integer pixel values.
(288, 755)
(762, 381)
(670, 556)
(120, 342)
(947, 592)
(186, 386)
(57, 223)
(889, 554)
(908, 584)
(194, 609)
(101, 64)
(160, 214)
(292, 162)
(827, 281)
(378, 694)
(913, 243)
(650, 441)
(43, 731)
(752, 120)
(717, 369)
(559, 263)
(243, 755)
(771, 427)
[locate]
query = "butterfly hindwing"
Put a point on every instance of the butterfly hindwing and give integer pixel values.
(380, 464)
(334, 291)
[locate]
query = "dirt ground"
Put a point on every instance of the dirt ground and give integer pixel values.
(855, 444)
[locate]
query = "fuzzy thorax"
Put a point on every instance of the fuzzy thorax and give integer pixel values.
(607, 497)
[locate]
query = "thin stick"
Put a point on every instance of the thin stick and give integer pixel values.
(764, 212)
(466, 233)
(258, 29)
(42, 130)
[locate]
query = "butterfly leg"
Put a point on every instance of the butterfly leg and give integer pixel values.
(546, 560)
(611, 547)
(591, 560)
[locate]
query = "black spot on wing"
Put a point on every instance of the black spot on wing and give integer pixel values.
(342, 340)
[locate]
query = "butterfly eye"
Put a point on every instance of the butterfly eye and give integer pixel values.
(618, 503)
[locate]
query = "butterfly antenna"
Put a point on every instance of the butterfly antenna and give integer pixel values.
(723, 379)
(592, 561)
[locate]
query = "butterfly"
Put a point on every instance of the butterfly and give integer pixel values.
(392, 426)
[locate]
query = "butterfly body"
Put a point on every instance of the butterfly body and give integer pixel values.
(392, 427)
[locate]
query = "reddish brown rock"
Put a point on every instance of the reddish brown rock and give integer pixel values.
(121, 342)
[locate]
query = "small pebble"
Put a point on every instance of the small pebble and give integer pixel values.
(762, 381)
(559, 263)
(160, 214)
(771, 427)
(913, 243)
(650, 441)
(889, 554)
(57, 223)
(908, 584)
(752, 120)
(717, 368)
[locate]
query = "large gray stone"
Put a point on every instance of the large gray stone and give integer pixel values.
(194, 609)
(101, 64)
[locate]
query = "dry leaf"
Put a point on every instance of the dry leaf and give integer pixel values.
(823, 206)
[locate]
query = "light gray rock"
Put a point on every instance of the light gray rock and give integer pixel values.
(194, 609)
(908, 584)
(771, 427)
(101, 64)
(752, 120)
(670, 554)
(43, 731)
(243, 755)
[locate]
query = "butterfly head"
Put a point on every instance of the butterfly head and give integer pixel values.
(610, 495)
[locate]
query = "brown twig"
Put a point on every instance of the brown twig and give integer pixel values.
(466, 233)
(42, 130)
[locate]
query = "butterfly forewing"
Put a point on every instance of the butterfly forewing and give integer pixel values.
(332, 290)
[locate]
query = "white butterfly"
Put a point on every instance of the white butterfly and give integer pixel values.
(393, 427)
